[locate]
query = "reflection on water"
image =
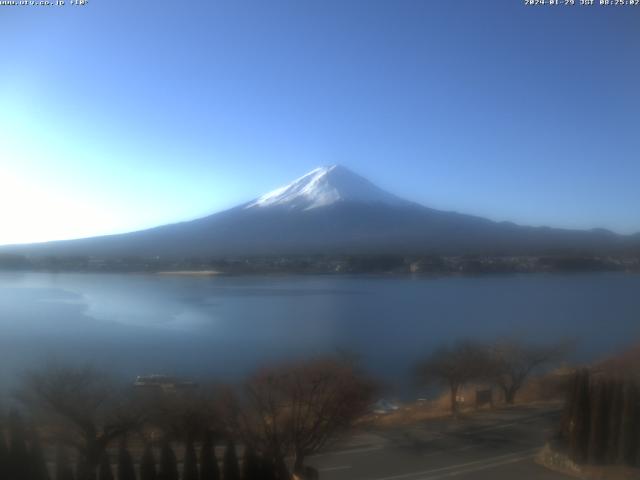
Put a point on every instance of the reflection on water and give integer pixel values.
(226, 326)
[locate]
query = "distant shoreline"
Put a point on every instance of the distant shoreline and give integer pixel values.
(195, 273)
(397, 264)
(390, 274)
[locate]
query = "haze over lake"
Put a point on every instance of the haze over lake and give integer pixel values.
(227, 326)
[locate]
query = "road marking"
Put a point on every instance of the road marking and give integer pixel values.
(489, 463)
(441, 452)
(482, 467)
(333, 469)
(494, 427)
(500, 426)
(348, 452)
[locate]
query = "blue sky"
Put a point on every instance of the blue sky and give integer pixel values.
(121, 115)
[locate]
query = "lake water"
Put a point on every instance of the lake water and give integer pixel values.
(227, 326)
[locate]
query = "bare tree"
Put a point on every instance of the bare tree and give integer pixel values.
(82, 408)
(297, 409)
(454, 366)
(513, 361)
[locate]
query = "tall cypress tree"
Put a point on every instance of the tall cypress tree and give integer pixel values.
(38, 464)
(281, 472)
(4, 457)
(148, 464)
(599, 427)
(168, 463)
(63, 466)
(566, 423)
(190, 466)
(126, 470)
(615, 415)
(251, 465)
(19, 461)
(230, 463)
(104, 469)
(82, 469)
(581, 419)
(267, 469)
(209, 469)
(628, 443)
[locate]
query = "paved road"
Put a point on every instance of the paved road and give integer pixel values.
(497, 445)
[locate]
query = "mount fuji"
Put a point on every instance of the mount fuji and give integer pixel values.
(332, 210)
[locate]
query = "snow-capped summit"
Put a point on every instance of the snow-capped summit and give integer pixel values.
(324, 186)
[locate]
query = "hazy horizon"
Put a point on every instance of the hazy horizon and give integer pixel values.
(240, 204)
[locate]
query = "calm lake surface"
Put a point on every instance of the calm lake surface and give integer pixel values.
(227, 326)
